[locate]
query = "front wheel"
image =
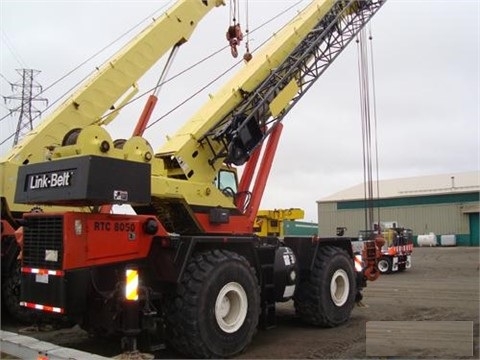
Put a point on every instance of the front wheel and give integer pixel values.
(327, 295)
(385, 265)
(215, 309)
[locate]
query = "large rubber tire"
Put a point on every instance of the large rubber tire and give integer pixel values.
(385, 265)
(11, 297)
(215, 309)
(327, 296)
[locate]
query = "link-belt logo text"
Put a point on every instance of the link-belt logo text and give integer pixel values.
(50, 180)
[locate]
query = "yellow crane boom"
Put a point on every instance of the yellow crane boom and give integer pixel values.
(116, 80)
(236, 120)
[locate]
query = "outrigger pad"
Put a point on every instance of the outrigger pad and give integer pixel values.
(84, 181)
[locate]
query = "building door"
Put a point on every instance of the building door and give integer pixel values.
(474, 229)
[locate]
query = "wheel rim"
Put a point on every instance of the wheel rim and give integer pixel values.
(339, 287)
(382, 266)
(231, 307)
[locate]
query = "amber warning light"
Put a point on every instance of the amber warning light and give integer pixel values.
(131, 284)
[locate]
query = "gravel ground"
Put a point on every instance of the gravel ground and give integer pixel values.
(441, 287)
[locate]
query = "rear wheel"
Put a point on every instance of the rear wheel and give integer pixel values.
(11, 301)
(327, 296)
(11, 296)
(385, 265)
(214, 311)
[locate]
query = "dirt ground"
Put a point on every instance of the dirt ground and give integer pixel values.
(441, 288)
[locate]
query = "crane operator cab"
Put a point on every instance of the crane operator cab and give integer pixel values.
(227, 182)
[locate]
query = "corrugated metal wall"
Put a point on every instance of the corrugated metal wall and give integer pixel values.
(438, 218)
(299, 228)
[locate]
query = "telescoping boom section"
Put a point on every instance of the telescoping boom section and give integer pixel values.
(187, 268)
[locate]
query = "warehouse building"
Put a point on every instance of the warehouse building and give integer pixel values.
(445, 204)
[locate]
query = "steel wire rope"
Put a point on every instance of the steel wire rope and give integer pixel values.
(91, 58)
(193, 95)
(4, 78)
(19, 60)
(78, 67)
(365, 121)
(192, 67)
(374, 103)
(179, 74)
(103, 49)
(365, 63)
(12, 49)
(216, 78)
(11, 84)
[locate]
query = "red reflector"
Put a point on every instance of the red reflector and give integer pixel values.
(43, 271)
(42, 307)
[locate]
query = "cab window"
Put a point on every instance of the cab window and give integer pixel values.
(227, 180)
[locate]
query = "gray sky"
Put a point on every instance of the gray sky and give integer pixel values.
(426, 56)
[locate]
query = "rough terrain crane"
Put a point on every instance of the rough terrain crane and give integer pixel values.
(187, 268)
(110, 87)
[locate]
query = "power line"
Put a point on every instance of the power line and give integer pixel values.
(151, 16)
(141, 95)
(4, 78)
(10, 47)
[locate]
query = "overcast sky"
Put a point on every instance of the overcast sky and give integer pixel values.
(426, 63)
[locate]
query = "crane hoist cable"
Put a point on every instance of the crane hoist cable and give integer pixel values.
(369, 130)
(374, 103)
(183, 102)
(234, 31)
(247, 56)
(273, 18)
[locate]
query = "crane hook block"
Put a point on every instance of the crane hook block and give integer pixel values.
(234, 37)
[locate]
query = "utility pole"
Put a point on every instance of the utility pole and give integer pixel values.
(26, 92)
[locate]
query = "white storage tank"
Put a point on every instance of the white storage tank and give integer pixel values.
(448, 240)
(427, 240)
